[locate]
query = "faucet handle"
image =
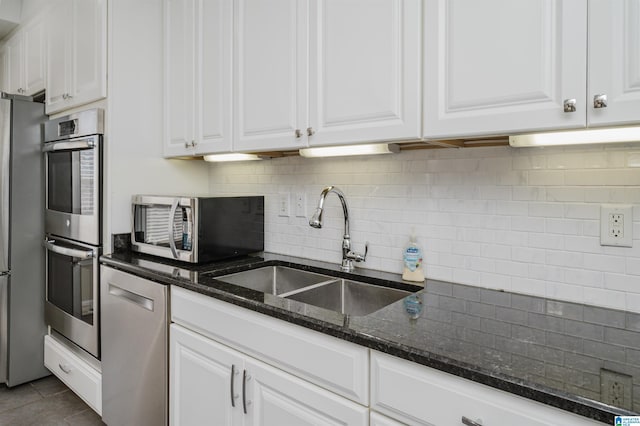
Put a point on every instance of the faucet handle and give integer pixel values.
(358, 257)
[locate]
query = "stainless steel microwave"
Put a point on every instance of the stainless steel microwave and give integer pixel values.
(197, 229)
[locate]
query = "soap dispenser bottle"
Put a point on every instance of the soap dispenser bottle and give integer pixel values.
(412, 259)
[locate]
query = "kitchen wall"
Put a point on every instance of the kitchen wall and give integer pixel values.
(134, 162)
(522, 220)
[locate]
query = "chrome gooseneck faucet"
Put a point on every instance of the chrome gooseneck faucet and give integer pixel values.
(348, 256)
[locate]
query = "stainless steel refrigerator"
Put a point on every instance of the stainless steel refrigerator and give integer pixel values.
(22, 288)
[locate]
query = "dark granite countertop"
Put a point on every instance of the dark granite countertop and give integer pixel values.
(554, 352)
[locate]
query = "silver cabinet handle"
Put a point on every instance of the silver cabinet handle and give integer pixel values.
(298, 133)
(80, 254)
(600, 101)
(310, 131)
(64, 368)
(467, 421)
(244, 391)
(233, 395)
(191, 144)
(570, 105)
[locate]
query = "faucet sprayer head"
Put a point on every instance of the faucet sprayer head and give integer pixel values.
(316, 219)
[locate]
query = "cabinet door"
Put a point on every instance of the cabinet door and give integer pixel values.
(89, 48)
(4, 84)
(213, 75)
(58, 57)
(499, 66)
(270, 86)
(15, 74)
(614, 61)
(365, 70)
(278, 398)
(179, 77)
(380, 420)
(205, 384)
(34, 56)
(434, 398)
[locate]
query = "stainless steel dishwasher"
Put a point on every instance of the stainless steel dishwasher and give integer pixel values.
(134, 343)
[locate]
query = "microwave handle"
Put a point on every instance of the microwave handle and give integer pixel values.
(172, 213)
(68, 145)
(81, 254)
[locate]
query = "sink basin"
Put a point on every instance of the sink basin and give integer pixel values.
(349, 297)
(276, 280)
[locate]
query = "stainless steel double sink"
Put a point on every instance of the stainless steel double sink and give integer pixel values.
(336, 294)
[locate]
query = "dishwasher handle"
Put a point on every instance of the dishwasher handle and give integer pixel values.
(143, 302)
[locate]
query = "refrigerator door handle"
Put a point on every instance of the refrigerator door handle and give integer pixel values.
(81, 254)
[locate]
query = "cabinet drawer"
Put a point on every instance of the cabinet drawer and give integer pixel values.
(82, 379)
(419, 395)
(331, 363)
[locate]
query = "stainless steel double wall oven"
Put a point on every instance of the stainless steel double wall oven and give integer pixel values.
(73, 216)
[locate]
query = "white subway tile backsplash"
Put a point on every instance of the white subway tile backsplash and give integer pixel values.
(556, 194)
(633, 159)
(546, 209)
(584, 278)
(530, 224)
(546, 177)
(524, 220)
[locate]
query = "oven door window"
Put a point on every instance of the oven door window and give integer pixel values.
(70, 285)
(71, 182)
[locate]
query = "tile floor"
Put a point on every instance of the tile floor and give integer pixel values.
(44, 402)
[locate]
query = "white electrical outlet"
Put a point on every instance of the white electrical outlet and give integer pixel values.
(301, 204)
(283, 205)
(616, 225)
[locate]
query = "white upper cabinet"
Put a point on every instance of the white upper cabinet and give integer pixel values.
(198, 52)
(364, 71)
(34, 56)
(323, 72)
(270, 75)
(26, 59)
(614, 62)
(15, 64)
(4, 85)
(76, 54)
(499, 66)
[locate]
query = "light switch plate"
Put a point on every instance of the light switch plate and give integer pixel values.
(301, 204)
(283, 205)
(616, 225)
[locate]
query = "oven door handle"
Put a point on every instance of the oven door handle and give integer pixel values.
(172, 213)
(81, 254)
(69, 145)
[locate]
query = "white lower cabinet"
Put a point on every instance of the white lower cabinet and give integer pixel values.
(377, 419)
(211, 383)
(232, 366)
(84, 380)
(417, 395)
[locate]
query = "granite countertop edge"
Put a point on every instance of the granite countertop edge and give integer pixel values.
(556, 398)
